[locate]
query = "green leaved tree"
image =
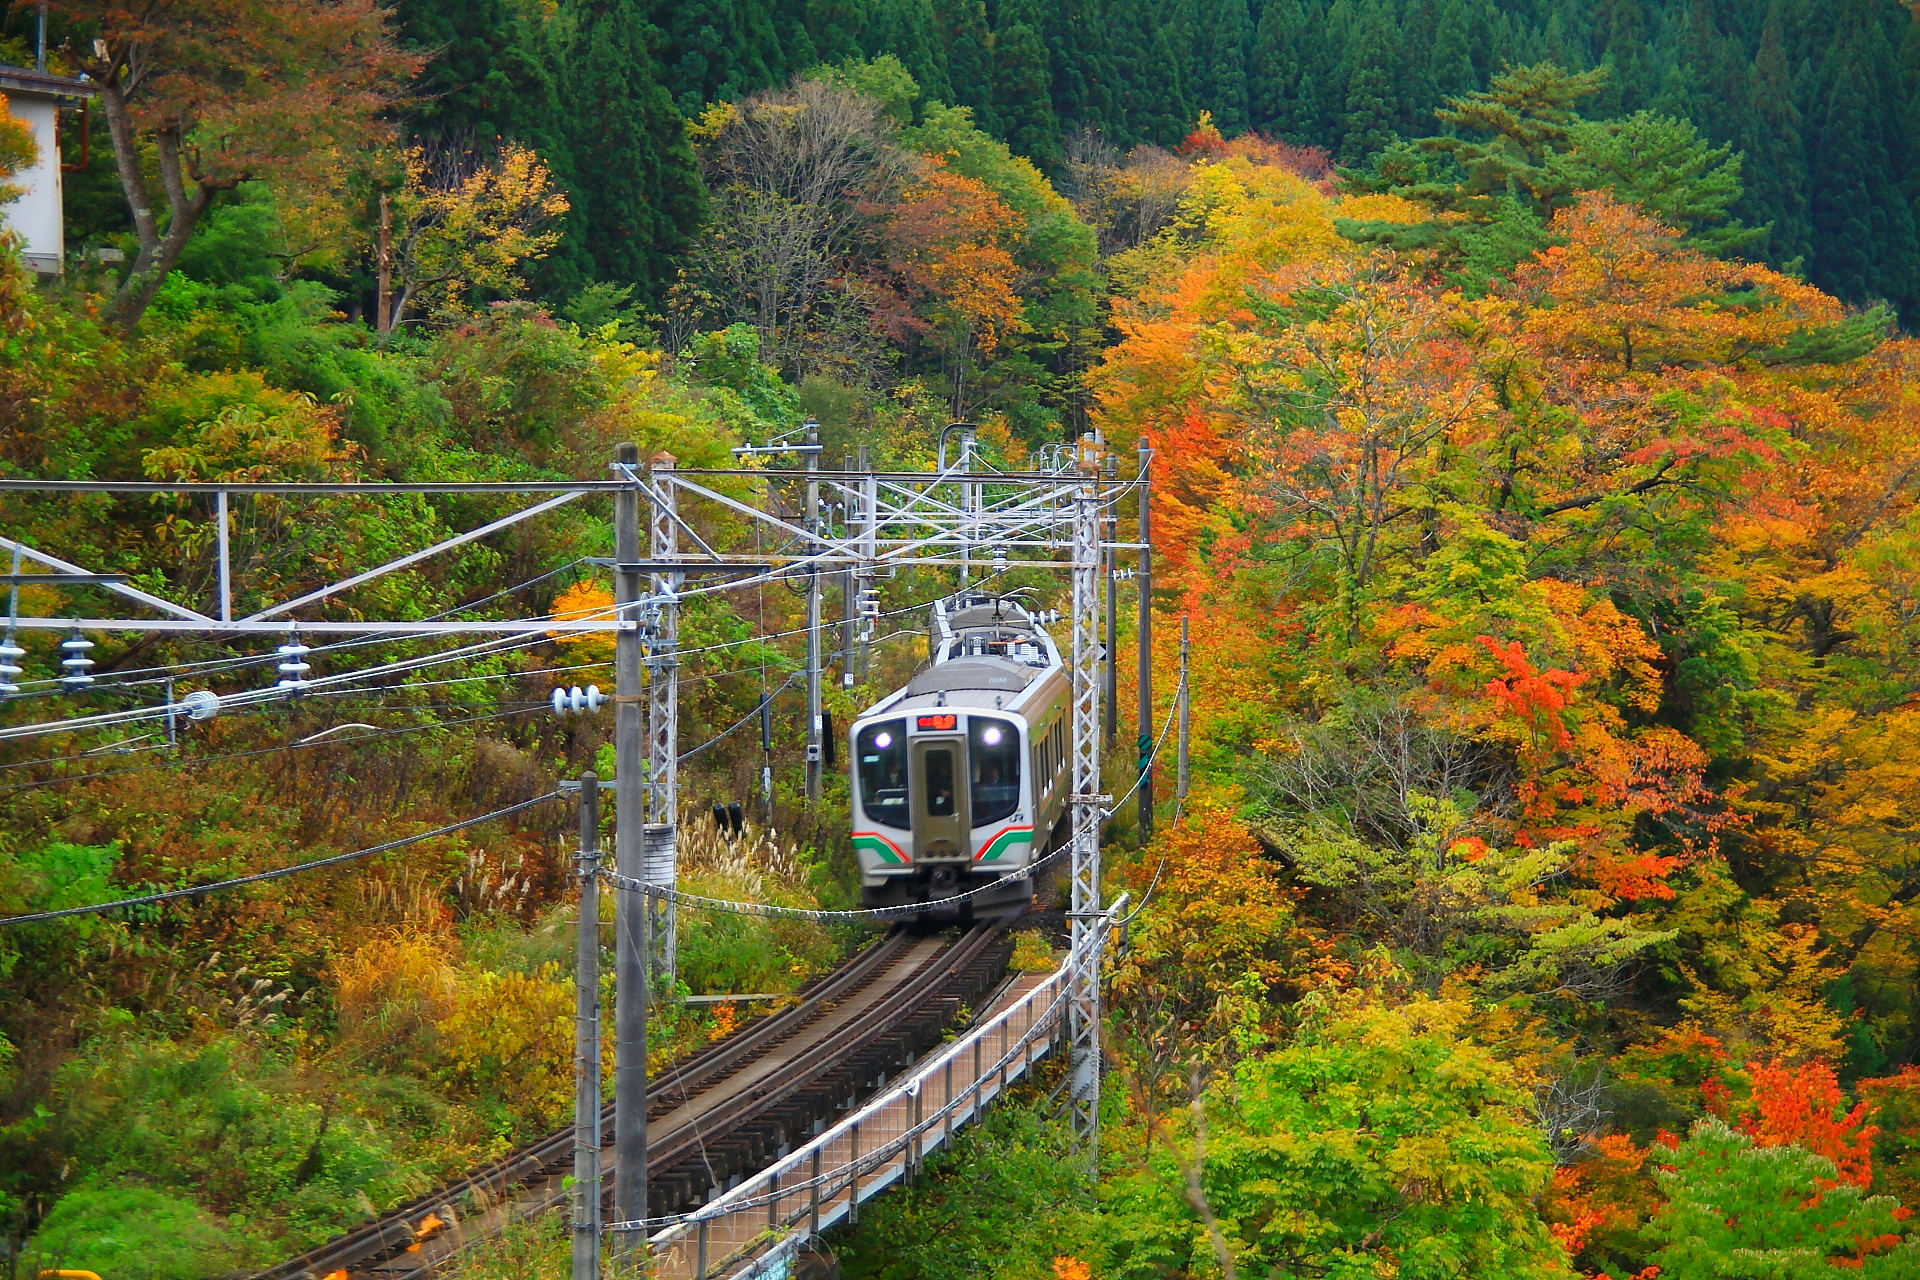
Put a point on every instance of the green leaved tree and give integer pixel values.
(1383, 1141)
(1735, 1210)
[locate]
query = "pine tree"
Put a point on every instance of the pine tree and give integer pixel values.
(1165, 108)
(1226, 35)
(1909, 150)
(487, 78)
(1628, 58)
(1272, 70)
(910, 31)
(1372, 107)
(835, 27)
(1419, 24)
(636, 193)
(1452, 56)
(1075, 48)
(963, 30)
(716, 49)
(1022, 88)
(1776, 173)
(1845, 158)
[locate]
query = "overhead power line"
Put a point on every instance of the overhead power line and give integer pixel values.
(219, 886)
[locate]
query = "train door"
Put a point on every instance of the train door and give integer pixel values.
(940, 822)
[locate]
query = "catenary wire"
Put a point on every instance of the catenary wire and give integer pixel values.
(260, 877)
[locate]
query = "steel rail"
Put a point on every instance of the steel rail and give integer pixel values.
(532, 1179)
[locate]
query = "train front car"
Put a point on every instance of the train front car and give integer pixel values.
(958, 778)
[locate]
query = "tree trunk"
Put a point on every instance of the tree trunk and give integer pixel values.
(383, 304)
(158, 251)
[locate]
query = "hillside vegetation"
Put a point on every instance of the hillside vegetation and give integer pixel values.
(1545, 900)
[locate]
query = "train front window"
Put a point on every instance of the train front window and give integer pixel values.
(939, 763)
(993, 751)
(881, 753)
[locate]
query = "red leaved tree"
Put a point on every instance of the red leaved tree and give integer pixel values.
(202, 95)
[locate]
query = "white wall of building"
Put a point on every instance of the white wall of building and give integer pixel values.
(36, 216)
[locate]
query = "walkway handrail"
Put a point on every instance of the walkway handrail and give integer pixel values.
(826, 1180)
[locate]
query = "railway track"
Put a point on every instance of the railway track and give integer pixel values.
(713, 1118)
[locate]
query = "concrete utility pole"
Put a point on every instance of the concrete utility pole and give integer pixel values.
(586, 1046)
(1186, 711)
(814, 726)
(850, 599)
(631, 943)
(1146, 647)
(1110, 662)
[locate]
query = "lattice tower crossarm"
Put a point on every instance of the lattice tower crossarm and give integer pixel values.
(663, 723)
(1088, 805)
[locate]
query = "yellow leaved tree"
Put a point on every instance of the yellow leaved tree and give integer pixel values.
(17, 151)
(466, 226)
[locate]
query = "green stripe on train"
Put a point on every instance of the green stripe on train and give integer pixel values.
(878, 847)
(1005, 842)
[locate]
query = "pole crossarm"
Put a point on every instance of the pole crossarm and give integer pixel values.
(213, 626)
(119, 588)
(413, 558)
(313, 488)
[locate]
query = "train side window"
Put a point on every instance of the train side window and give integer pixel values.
(881, 754)
(993, 756)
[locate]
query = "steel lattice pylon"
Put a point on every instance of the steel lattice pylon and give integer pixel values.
(1088, 806)
(663, 709)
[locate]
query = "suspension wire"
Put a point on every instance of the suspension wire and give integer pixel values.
(737, 725)
(219, 666)
(266, 751)
(278, 873)
(428, 726)
(1179, 808)
(767, 910)
(317, 688)
(1153, 755)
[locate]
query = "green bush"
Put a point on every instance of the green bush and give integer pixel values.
(126, 1232)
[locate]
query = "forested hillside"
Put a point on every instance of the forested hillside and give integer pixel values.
(1537, 463)
(1819, 97)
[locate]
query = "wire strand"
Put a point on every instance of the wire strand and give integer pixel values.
(219, 886)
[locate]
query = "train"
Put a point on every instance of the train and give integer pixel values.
(960, 778)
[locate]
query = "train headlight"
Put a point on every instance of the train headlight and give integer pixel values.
(991, 736)
(883, 740)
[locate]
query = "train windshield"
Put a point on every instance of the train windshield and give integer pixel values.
(993, 753)
(881, 753)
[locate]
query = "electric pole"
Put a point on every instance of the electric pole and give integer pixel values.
(586, 1048)
(663, 725)
(1083, 1005)
(813, 620)
(1186, 711)
(1146, 647)
(631, 942)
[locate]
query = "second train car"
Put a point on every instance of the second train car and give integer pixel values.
(960, 779)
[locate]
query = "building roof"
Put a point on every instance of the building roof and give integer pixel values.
(26, 80)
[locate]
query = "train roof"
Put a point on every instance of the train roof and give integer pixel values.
(987, 652)
(963, 673)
